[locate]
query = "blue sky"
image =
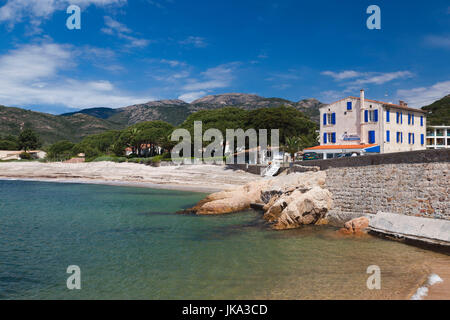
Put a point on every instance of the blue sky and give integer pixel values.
(132, 51)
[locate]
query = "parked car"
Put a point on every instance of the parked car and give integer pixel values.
(311, 156)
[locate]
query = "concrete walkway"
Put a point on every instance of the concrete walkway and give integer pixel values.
(432, 231)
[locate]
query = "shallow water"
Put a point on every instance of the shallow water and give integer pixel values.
(129, 244)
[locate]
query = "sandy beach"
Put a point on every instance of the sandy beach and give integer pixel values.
(200, 178)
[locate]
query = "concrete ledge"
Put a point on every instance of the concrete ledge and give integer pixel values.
(434, 231)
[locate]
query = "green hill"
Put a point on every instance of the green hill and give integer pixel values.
(76, 125)
(439, 112)
(52, 128)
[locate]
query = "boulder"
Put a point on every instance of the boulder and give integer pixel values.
(356, 226)
(289, 201)
(305, 209)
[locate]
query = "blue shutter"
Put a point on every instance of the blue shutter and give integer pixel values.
(333, 137)
(398, 137)
(388, 136)
(401, 137)
(414, 138)
(325, 138)
(349, 105)
(388, 116)
(375, 115)
(324, 119)
(409, 138)
(401, 119)
(412, 119)
(333, 118)
(366, 116)
(421, 122)
(409, 118)
(371, 137)
(422, 139)
(398, 117)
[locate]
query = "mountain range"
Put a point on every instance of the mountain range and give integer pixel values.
(76, 125)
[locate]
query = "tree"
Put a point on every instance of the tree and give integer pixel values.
(290, 122)
(61, 150)
(292, 146)
(28, 139)
(151, 134)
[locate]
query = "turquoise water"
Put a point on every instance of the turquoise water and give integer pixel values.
(129, 244)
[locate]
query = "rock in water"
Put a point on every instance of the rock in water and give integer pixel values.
(290, 201)
(304, 209)
(356, 226)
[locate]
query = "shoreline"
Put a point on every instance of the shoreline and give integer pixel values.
(190, 178)
(118, 183)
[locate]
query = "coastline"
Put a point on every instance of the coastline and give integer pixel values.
(192, 178)
(117, 183)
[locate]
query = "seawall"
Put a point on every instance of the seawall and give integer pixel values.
(416, 189)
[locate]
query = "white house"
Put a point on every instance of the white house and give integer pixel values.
(438, 137)
(358, 125)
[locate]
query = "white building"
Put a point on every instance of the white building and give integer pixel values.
(357, 125)
(438, 137)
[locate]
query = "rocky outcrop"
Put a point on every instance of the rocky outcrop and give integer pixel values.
(356, 226)
(289, 201)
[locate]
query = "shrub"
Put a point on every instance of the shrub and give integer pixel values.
(26, 156)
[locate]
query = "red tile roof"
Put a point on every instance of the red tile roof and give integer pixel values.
(385, 103)
(342, 146)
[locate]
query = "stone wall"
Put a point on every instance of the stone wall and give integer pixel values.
(423, 156)
(416, 189)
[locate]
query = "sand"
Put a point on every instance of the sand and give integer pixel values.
(200, 178)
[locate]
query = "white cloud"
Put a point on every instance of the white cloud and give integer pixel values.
(31, 75)
(342, 75)
(35, 11)
(173, 63)
(114, 27)
(423, 96)
(438, 41)
(213, 78)
(197, 42)
(353, 78)
(191, 96)
(381, 78)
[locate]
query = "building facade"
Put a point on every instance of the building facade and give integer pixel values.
(358, 125)
(438, 137)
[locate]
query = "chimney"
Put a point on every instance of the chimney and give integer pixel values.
(403, 103)
(362, 98)
(361, 123)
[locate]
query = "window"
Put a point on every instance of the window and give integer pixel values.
(349, 106)
(371, 115)
(329, 137)
(371, 137)
(399, 117)
(388, 136)
(399, 137)
(410, 119)
(388, 116)
(329, 118)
